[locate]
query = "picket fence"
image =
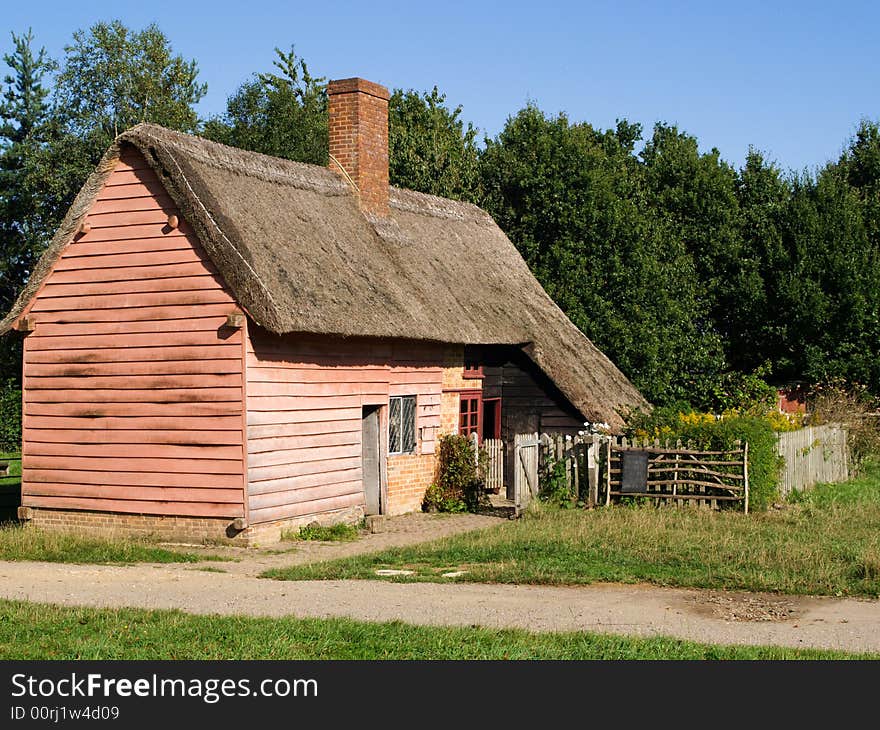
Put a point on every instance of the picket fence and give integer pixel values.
(813, 455)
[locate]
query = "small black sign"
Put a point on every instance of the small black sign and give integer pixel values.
(634, 474)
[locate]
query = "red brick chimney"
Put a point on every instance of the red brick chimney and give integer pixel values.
(359, 139)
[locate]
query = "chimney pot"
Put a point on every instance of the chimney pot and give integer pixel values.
(359, 139)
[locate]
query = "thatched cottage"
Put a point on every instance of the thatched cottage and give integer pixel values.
(221, 343)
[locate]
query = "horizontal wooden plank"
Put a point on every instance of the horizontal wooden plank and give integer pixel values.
(268, 438)
(132, 233)
(132, 506)
(131, 478)
(38, 342)
(265, 418)
(302, 509)
(285, 450)
(158, 423)
(124, 382)
(116, 188)
(132, 437)
(134, 314)
(278, 499)
(115, 351)
(134, 204)
(85, 246)
(91, 410)
(308, 422)
(158, 494)
(206, 369)
(128, 176)
(124, 260)
(131, 464)
(263, 378)
(177, 395)
(305, 481)
(107, 220)
(171, 326)
(293, 455)
(133, 273)
(319, 466)
(195, 454)
(136, 299)
(204, 282)
(278, 396)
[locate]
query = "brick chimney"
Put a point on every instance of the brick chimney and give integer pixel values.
(359, 139)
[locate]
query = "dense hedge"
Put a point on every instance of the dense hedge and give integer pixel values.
(705, 431)
(10, 415)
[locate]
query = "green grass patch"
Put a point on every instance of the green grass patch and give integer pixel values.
(27, 543)
(39, 631)
(10, 485)
(331, 533)
(828, 543)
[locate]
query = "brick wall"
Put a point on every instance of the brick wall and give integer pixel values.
(408, 477)
(359, 138)
(179, 529)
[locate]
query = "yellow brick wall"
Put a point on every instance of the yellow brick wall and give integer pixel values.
(408, 477)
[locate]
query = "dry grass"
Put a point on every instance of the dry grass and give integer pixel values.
(826, 544)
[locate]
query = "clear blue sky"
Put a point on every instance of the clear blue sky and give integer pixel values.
(792, 78)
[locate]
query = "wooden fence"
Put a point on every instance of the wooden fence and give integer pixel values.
(813, 455)
(494, 475)
(578, 455)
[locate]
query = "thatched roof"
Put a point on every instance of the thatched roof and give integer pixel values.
(293, 246)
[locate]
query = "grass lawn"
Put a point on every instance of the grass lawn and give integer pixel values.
(39, 631)
(24, 543)
(827, 543)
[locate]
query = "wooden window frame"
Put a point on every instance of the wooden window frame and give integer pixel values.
(415, 448)
(472, 373)
(471, 395)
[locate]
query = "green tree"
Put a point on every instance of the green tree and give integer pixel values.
(282, 114)
(430, 148)
(24, 111)
(574, 202)
(110, 78)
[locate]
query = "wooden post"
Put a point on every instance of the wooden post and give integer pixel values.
(593, 469)
(608, 474)
(746, 475)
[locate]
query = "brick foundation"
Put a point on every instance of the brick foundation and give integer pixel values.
(165, 528)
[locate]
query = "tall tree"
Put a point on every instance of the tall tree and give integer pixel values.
(24, 110)
(282, 114)
(430, 147)
(111, 78)
(574, 202)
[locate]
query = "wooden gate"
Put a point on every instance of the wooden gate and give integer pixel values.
(525, 470)
(676, 473)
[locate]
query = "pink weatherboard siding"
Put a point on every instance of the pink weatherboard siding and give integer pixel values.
(304, 405)
(133, 385)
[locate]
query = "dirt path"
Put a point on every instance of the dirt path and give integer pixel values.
(640, 610)
(713, 617)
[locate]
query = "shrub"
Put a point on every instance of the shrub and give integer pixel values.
(711, 433)
(553, 484)
(853, 407)
(459, 486)
(10, 414)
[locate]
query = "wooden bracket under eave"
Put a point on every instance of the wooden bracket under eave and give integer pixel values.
(26, 325)
(235, 320)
